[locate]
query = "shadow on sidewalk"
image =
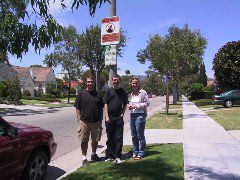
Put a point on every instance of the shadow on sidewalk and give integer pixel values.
(54, 173)
(209, 173)
(25, 112)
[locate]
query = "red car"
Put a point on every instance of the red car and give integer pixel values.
(25, 151)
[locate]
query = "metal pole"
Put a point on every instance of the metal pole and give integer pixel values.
(112, 68)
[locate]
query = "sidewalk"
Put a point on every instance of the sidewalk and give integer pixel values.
(210, 152)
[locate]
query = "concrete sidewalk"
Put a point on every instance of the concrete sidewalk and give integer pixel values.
(210, 152)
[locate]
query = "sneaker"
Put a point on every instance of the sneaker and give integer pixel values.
(118, 161)
(109, 160)
(134, 156)
(137, 157)
(85, 162)
(95, 158)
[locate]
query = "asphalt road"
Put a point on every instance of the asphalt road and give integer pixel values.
(62, 122)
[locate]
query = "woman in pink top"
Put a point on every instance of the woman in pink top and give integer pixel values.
(138, 105)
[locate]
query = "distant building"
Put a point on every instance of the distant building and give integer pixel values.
(35, 78)
(75, 84)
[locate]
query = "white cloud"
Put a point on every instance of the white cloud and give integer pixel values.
(163, 23)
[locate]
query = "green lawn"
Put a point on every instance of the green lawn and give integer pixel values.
(44, 103)
(228, 118)
(162, 121)
(162, 162)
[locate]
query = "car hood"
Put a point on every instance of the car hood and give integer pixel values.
(24, 126)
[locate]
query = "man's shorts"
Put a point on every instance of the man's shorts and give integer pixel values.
(85, 128)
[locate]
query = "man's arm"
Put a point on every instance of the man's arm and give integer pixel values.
(78, 114)
(124, 109)
(106, 112)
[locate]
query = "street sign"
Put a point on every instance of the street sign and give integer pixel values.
(110, 30)
(111, 55)
(165, 79)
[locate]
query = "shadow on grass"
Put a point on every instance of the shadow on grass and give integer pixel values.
(150, 167)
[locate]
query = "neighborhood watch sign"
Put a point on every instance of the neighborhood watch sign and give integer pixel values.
(110, 31)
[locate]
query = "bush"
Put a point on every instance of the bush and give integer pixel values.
(196, 91)
(26, 93)
(38, 93)
(72, 91)
(3, 89)
(203, 102)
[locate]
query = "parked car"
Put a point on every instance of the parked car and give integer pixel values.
(25, 151)
(227, 99)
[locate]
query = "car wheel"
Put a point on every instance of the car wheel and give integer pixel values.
(228, 103)
(36, 166)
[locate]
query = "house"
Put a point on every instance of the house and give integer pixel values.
(7, 72)
(75, 85)
(35, 78)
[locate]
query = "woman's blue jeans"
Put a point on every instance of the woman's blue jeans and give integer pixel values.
(137, 126)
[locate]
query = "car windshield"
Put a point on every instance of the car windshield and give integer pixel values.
(226, 93)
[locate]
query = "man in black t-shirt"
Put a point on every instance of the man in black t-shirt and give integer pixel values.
(115, 101)
(89, 107)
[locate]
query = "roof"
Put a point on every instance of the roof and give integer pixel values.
(39, 74)
(74, 83)
(23, 72)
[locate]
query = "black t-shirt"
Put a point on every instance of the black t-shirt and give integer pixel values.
(90, 104)
(115, 99)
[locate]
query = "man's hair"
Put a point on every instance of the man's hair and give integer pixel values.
(135, 78)
(116, 76)
(89, 77)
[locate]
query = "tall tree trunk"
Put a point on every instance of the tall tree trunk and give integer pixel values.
(175, 93)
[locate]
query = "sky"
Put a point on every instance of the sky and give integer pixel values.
(218, 21)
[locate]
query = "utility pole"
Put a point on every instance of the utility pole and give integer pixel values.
(112, 68)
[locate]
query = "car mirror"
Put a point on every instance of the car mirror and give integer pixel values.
(12, 132)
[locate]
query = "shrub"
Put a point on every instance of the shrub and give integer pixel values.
(72, 91)
(26, 93)
(3, 89)
(14, 92)
(38, 93)
(203, 102)
(196, 91)
(43, 99)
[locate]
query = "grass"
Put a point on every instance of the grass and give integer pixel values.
(162, 161)
(162, 121)
(228, 117)
(44, 103)
(211, 106)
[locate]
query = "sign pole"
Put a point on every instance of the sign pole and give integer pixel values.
(112, 68)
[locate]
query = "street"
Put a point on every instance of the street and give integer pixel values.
(62, 122)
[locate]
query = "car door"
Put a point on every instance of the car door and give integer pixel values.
(10, 154)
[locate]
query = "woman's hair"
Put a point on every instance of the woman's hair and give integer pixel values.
(135, 78)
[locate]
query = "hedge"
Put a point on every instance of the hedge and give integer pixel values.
(203, 102)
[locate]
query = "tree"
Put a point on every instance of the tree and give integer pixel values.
(92, 53)
(18, 29)
(202, 77)
(177, 54)
(65, 55)
(153, 83)
(226, 66)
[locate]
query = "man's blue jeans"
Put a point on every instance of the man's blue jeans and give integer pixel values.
(137, 126)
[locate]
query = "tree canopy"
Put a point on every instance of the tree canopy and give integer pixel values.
(226, 66)
(177, 54)
(18, 28)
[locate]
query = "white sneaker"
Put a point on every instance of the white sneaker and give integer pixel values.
(118, 161)
(109, 160)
